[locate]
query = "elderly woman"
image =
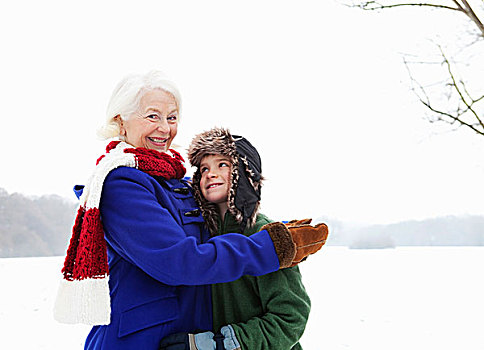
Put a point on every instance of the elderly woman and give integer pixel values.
(140, 261)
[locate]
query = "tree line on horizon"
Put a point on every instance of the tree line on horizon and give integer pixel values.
(34, 226)
(442, 231)
(41, 226)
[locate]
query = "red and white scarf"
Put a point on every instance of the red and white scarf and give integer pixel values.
(83, 295)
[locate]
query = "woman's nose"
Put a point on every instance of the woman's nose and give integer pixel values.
(163, 126)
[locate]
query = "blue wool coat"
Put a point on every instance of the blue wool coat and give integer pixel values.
(162, 261)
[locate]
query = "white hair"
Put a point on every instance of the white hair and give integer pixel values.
(127, 95)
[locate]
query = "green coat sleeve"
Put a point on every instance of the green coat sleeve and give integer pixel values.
(286, 305)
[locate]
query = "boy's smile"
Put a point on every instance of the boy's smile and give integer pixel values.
(213, 185)
(216, 171)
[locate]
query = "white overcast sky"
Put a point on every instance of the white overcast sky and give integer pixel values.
(318, 88)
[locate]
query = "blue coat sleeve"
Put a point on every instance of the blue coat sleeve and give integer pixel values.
(141, 230)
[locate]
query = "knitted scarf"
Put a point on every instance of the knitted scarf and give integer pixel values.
(83, 295)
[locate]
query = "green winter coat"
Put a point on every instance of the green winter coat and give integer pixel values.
(266, 312)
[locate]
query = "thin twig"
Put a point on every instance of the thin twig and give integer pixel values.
(373, 5)
(456, 87)
(459, 6)
(441, 115)
(454, 118)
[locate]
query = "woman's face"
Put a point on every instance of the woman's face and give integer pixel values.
(154, 125)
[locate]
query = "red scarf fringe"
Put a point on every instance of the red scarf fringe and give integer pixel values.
(87, 252)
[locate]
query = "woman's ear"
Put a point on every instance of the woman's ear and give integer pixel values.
(122, 130)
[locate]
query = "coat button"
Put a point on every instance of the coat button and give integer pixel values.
(181, 190)
(192, 213)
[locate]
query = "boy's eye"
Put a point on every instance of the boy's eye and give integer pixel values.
(223, 164)
(204, 169)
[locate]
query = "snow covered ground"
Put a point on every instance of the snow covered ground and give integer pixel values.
(404, 298)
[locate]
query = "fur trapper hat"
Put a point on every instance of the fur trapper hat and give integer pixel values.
(246, 177)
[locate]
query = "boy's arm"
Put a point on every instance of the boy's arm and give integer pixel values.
(284, 297)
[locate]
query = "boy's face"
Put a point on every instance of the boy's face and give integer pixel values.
(216, 172)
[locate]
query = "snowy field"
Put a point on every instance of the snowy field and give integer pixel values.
(404, 298)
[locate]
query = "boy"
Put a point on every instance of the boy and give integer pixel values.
(264, 312)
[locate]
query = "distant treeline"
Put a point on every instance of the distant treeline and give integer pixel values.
(441, 231)
(34, 226)
(41, 226)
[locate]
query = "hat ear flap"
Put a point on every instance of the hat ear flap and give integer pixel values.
(253, 175)
(247, 196)
(233, 190)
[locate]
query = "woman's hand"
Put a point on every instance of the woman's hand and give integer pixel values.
(298, 222)
(296, 240)
(308, 239)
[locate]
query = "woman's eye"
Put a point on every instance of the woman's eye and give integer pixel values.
(152, 117)
(172, 117)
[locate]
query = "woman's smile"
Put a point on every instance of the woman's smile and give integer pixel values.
(158, 141)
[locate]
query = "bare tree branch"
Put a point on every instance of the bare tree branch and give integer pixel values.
(453, 118)
(374, 5)
(473, 17)
(460, 115)
(460, 107)
(459, 6)
(464, 8)
(462, 98)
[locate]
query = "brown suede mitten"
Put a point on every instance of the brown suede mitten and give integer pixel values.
(308, 239)
(298, 222)
(283, 243)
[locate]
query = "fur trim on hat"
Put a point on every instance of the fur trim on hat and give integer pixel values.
(212, 142)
